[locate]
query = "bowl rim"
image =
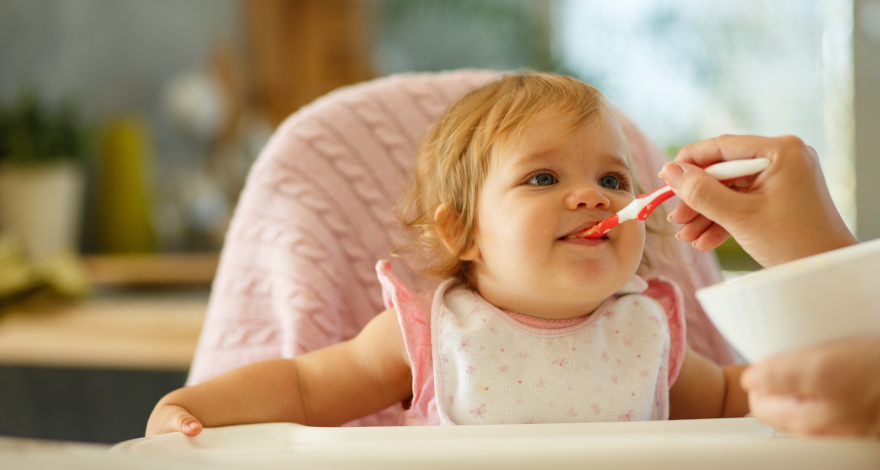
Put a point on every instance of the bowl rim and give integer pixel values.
(799, 267)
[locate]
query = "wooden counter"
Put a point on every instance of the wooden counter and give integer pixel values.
(146, 313)
(154, 329)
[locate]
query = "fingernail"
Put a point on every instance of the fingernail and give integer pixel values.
(672, 173)
(669, 218)
(677, 237)
(694, 244)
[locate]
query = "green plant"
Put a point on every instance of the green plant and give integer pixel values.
(31, 133)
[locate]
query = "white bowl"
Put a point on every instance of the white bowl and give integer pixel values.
(799, 304)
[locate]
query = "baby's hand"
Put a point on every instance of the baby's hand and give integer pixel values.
(172, 418)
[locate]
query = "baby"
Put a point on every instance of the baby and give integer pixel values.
(532, 324)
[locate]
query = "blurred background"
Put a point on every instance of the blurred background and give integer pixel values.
(127, 129)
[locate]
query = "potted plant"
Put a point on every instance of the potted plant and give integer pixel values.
(42, 181)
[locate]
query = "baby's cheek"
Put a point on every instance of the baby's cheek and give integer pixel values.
(509, 244)
(526, 229)
(632, 243)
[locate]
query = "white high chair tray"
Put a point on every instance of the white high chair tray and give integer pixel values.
(740, 443)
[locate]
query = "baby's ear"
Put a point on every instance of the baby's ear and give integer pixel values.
(449, 228)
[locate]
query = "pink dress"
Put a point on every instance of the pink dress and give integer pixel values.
(473, 363)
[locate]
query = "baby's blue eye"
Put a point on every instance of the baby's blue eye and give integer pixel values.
(543, 179)
(610, 182)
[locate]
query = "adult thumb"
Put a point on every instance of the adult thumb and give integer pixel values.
(702, 192)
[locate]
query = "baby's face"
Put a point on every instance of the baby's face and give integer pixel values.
(546, 186)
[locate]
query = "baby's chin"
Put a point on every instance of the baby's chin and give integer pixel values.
(600, 283)
(594, 273)
(561, 297)
(614, 262)
(558, 305)
(550, 297)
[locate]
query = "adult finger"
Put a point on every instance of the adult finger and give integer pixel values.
(692, 230)
(795, 415)
(810, 416)
(788, 374)
(682, 214)
(704, 193)
(711, 238)
(726, 147)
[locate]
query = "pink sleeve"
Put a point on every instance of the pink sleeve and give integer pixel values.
(414, 315)
(669, 296)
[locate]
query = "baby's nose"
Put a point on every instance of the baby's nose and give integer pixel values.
(587, 197)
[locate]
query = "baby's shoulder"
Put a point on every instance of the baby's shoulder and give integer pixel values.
(652, 291)
(658, 297)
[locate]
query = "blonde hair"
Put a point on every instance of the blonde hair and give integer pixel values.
(453, 159)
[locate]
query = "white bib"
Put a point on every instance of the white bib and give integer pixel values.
(492, 369)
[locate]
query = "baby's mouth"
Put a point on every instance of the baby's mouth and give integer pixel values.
(581, 232)
(575, 235)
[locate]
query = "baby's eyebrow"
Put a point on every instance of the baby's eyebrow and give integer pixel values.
(545, 155)
(532, 158)
(617, 159)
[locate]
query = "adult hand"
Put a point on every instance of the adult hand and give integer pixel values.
(782, 214)
(830, 389)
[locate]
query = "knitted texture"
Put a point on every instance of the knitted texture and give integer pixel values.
(297, 270)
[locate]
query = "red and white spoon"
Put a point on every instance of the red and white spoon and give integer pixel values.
(643, 205)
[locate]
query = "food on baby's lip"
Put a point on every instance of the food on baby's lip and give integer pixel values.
(596, 231)
(586, 233)
(592, 232)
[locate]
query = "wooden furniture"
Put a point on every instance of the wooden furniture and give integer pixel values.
(129, 330)
(302, 49)
(153, 270)
(146, 313)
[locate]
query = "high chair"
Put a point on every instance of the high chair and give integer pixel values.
(734, 444)
(296, 274)
(297, 270)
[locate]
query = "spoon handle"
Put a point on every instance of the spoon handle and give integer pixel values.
(642, 206)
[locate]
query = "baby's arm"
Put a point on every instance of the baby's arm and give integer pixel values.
(327, 387)
(705, 390)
